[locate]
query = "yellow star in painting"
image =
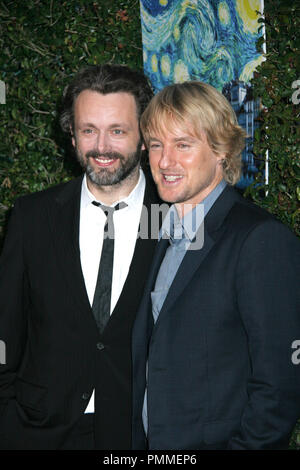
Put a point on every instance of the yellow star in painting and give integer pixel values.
(154, 63)
(165, 65)
(247, 12)
(223, 12)
(181, 73)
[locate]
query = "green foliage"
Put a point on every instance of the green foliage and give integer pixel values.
(295, 440)
(43, 43)
(279, 131)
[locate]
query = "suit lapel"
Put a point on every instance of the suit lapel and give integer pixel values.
(214, 227)
(186, 271)
(64, 216)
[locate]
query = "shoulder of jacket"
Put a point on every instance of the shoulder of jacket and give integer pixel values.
(249, 218)
(43, 197)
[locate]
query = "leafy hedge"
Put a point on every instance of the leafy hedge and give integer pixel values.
(278, 136)
(43, 43)
(279, 131)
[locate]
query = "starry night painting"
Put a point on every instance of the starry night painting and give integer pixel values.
(209, 40)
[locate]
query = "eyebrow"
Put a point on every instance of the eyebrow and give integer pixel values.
(86, 124)
(176, 139)
(112, 126)
(187, 138)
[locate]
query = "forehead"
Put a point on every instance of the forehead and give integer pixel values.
(92, 104)
(171, 128)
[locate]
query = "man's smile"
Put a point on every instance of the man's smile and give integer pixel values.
(104, 161)
(171, 179)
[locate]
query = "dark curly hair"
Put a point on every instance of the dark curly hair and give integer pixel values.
(105, 78)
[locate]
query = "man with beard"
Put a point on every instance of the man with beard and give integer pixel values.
(75, 270)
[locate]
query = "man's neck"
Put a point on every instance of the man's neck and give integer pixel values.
(184, 208)
(111, 194)
(207, 200)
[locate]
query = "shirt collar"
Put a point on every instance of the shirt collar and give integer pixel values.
(188, 226)
(131, 200)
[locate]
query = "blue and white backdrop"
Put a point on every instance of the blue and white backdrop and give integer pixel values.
(209, 40)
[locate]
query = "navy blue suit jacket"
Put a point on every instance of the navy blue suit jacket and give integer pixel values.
(220, 369)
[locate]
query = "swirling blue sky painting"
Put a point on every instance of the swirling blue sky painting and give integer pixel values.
(213, 41)
(208, 40)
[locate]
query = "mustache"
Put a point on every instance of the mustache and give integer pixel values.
(110, 155)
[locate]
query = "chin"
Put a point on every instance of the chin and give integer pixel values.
(167, 197)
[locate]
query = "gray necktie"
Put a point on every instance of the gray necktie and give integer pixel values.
(102, 295)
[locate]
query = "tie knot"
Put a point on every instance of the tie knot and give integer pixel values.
(109, 210)
(173, 229)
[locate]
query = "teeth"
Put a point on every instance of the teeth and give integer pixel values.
(172, 177)
(104, 160)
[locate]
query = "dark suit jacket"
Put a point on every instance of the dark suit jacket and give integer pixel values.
(220, 372)
(52, 359)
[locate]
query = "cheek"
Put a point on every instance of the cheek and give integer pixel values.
(85, 145)
(154, 160)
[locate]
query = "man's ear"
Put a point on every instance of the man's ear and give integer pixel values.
(221, 157)
(72, 137)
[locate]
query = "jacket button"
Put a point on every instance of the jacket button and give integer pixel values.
(100, 346)
(85, 396)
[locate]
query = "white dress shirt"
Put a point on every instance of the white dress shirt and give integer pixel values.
(126, 225)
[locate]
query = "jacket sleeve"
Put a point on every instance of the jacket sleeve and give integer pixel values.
(267, 289)
(12, 306)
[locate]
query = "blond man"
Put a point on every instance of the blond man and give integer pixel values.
(212, 357)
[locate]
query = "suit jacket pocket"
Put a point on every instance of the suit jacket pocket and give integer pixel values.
(31, 400)
(219, 432)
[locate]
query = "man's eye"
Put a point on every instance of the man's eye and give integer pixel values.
(154, 146)
(87, 131)
(118, 132)
(183, 146)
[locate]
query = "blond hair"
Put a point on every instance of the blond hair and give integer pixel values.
(198, 107)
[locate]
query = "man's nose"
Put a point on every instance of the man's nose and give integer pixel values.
(167, 159)
(102, 143)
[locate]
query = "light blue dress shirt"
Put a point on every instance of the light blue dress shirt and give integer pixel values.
(181, 234)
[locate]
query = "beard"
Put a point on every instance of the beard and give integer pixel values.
(107, 176)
